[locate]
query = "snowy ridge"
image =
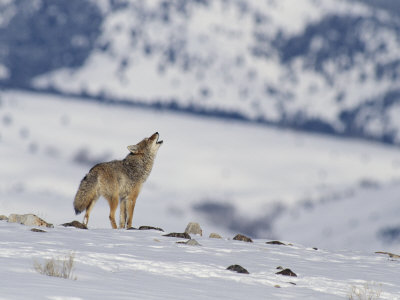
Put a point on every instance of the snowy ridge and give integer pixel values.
(145, 265)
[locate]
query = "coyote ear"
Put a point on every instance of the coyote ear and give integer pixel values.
(133, 148)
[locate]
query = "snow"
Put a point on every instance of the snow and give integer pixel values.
(351, 185)
(122, 264)
(253, 168)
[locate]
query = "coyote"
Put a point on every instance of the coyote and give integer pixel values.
(118, 180)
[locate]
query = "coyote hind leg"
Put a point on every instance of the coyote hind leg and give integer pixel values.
(88, 210)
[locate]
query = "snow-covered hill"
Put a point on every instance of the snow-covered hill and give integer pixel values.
(229, 176)
(330, 66)
(121, 264)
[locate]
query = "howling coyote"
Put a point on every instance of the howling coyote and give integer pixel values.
(118, 180)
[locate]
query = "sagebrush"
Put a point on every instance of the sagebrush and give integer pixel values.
(57, 267)
(368, 291)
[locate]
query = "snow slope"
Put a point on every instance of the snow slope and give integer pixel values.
(120, 264)
(229, 176)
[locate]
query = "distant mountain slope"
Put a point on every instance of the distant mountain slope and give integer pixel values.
(371, 219)
(329, 66)
(228, 176)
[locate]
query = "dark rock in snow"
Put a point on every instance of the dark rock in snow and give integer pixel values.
(75, 224)
(37, 230)
(182, 235)
(241, 237)
(275, 243)
(150, 228)
(238, 269)
(287, 272)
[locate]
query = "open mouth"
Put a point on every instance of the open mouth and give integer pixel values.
(159, 142)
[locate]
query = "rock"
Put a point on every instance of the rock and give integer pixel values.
(3, 218)
(279, 268)
(194, 228)
(75, 224)
(28, 220)
(150, 228)
(191, 242)
(238, 269)
(215, 236)
(287, 272)
(241, 237)
(275, 243)
(182, 235)
(391, 255)
(37, 230)
(132, 228)
(315, 248)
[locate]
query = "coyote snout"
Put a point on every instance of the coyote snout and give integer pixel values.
(118, 180)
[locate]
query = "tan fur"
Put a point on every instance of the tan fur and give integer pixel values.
(118, 180)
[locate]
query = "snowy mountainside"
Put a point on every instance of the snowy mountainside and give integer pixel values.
(330, 66)
(230, 176)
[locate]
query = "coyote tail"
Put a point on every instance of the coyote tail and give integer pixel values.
(86, 194)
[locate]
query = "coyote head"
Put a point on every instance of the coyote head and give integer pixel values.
(148, 146)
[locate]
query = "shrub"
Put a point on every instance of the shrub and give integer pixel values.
(365, 292)
(57, 267)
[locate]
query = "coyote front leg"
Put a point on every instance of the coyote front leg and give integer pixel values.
(130, 205)
(122, 213)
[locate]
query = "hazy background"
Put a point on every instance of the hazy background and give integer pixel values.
(280, 118)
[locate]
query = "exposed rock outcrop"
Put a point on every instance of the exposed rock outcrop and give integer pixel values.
(28, 220)
(241, 237)
(194, 228)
